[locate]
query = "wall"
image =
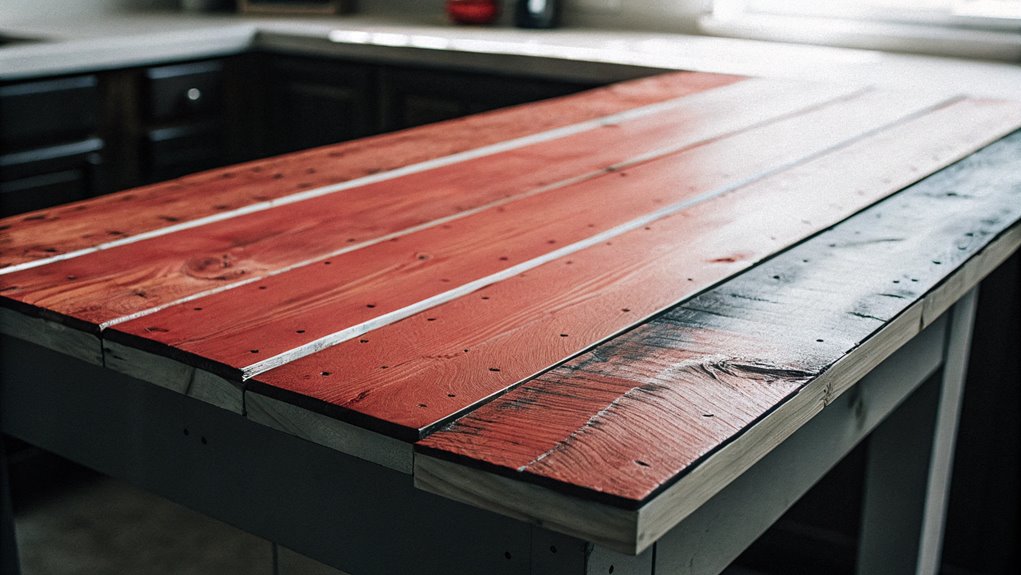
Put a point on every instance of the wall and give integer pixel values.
(14, 11)
(663, 15)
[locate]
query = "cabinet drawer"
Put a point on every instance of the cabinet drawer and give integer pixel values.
(44, 177)
(180, 150)
(43, 191)
(184, 91)
(49, 111)
(26, 163)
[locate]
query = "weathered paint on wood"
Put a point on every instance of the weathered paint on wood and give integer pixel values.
(698, 378)
(93, 288)
(296, 313)
(410, 376)
(47, 233)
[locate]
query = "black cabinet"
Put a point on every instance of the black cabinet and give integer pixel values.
(181, 126)
(317, 101)
(34, 114)
(50, 152)
(313, 102)
(412, 97)
(64, 139)
(177, 150)
(184, 91)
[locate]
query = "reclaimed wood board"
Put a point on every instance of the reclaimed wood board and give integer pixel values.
(45, 235)
(678, 407)
(408, 377)
(93, 289)
(289, 315)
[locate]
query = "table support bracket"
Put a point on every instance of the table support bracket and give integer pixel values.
(909, 465)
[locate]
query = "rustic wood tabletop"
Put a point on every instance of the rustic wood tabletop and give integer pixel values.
(592, 313)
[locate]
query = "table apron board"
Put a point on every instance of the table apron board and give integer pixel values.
(366, 518)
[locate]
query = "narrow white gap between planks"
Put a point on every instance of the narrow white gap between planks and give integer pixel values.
(459, 157)
(808, 99)
(383, 320)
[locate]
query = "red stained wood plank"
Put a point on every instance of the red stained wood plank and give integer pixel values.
(96, 289)
(413, 375)
(47, 233)
(271, 317)
(624, 420)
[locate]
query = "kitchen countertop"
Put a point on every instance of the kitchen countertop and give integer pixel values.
(134, 39)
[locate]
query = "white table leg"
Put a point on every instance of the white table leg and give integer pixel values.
(908, 472)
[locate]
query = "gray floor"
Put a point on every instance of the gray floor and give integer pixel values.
(101, 526)
(106, 526)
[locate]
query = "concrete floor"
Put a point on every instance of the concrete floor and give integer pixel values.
(106, 526)
(100, 526)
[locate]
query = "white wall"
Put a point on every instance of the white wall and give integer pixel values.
(13, 11)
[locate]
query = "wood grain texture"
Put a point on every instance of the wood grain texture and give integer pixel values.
(722, 525)
(338, 435)
(53, 335)
(95, 288)
(408, 377)
(305, 306)
(46, 233)
(801, 328)
(173, 375)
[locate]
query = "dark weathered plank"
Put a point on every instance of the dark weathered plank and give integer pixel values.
(409, 376)
(93, 288)
(624, 421)
(290, 315)
(61, 230)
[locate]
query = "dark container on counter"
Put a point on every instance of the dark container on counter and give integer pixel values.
(537, 13)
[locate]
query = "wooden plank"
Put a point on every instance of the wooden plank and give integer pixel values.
(94, 289)
(43, 235)
(175, 376)
(812, 321)
(709, 539)
(54, 335)
(343, 437)
(410, 376)
(618, 528)
(316, 306)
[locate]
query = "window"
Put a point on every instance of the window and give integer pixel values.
(1004, 14)
(985, 29)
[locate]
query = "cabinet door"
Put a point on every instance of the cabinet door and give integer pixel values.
(39, 113)
(314, 102)
(178, 150)
(40, 178)
(415, 97)
(184, 91)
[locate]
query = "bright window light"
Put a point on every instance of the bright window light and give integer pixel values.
(971, 13)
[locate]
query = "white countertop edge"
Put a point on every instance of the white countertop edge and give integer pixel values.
(566, 53)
